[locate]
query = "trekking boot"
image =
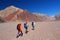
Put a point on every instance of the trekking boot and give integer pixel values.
(32, 28)
(17, 36)
(26, 31)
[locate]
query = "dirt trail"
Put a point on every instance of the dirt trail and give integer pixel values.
(43, 31)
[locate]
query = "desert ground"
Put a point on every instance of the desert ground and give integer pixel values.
(43, 31)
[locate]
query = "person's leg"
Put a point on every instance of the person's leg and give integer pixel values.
(18, 31)
(21, 33)
(18, 34)
(33, 27)
(26, 30)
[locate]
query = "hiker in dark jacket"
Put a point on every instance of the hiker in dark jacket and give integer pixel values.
(26, 27)
(33, 25)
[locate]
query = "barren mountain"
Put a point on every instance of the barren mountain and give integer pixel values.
(45, 17)
(12, 13)
(7, 11)
(57, 16)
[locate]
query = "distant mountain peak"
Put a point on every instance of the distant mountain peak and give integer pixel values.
(16, 8)
(12, 7)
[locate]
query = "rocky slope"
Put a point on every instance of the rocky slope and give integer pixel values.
(13, 13)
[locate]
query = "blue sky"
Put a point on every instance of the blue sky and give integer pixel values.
(49, 7)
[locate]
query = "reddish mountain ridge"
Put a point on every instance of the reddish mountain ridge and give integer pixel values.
(12, 13)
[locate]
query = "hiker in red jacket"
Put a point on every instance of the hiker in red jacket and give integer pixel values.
(19, 28)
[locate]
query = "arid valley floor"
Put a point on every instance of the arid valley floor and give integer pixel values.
(43, 31)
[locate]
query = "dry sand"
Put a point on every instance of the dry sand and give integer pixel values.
(43, 31)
